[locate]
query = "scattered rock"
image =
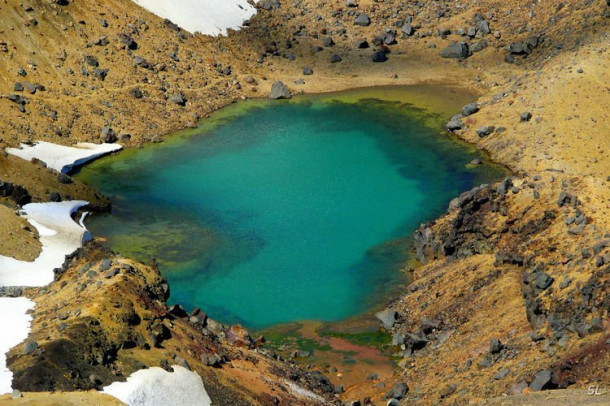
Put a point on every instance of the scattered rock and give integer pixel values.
(178, 99)
(280, 91)
(485, 131)
(542, 381)
(455, 123)
(387, 317)
(458, 50)
(92, 61)
(543, 280)
(269, 4)
(379, 56)
(399, 390)
(501, 374)
(108, 135)
(495, 346)
(362, 20)
(470, 109)
(30, 347)
(525, 117)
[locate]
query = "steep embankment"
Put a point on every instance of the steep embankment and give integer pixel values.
(498, 264)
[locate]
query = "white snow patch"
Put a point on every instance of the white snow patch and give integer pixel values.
(15, 328)
(304, 392)
(62, 158)
(157, 387)
(209, 17)
(59, 236)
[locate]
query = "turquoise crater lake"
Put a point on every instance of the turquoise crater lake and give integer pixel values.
(285, 211)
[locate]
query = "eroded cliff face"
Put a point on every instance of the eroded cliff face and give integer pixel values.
(105, 317)
(514, 293)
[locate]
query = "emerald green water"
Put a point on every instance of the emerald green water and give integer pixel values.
(281, 212)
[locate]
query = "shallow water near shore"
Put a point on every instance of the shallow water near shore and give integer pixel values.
(279, 212)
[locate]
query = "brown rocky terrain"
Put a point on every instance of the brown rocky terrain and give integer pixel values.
(105, 317)
(513, 294)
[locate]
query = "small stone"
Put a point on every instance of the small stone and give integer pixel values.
(30, 347)
(485, 131)
(470, 109)
(525, 117)
(501, 374)
(105, 264)
(178, 99)
(495, 346)
(543, 280)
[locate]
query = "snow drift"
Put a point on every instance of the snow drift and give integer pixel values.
(157, 387)
(59, 236)
(15, 328)
(61, 158)
(209, 17)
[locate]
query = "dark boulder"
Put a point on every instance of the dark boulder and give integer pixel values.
(458, 50)
(361, 43)
(470, 109)
(270, 4)
(543, 280)
(108, 135)
(379, 56)
(178, 99)
(495, 346)
(128, 41)
(362, 20)
(92, 61)
(485, 131)
(408, 30)
(317, 380)
(542, 381)
(327, 42)
(519, 48)
(455, 123)
(334, 58)
(399, 390)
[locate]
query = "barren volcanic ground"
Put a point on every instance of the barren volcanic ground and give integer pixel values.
(511, 297)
